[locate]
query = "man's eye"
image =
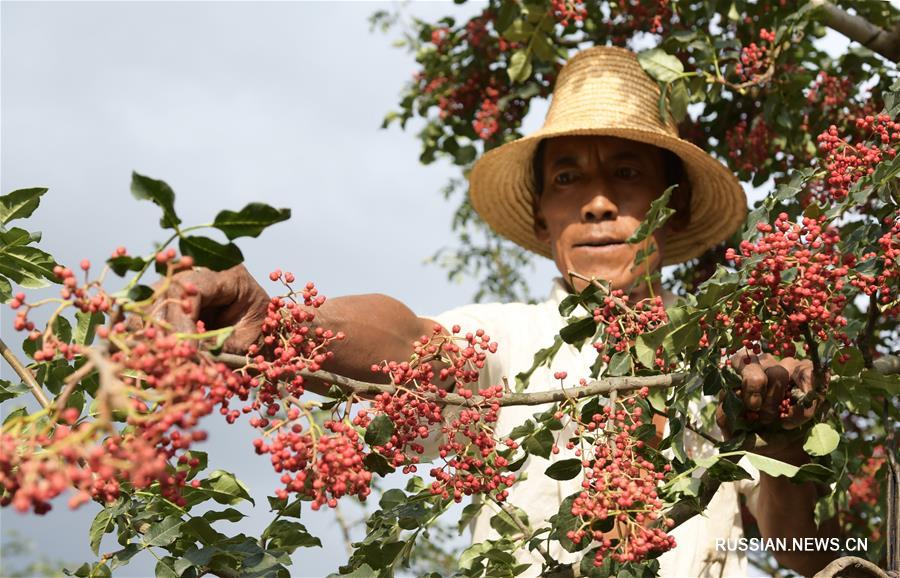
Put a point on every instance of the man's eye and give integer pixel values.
(565, 178)
(627, 173)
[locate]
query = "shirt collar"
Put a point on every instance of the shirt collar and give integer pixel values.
(559, 291)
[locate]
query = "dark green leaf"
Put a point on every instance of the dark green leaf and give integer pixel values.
(378, 464)
(225, 488)
(19, 204)
(145, 188)
(229, 514)
(102, 524)
(620, 364)
(164, 532)
(656, 217)
(86, 326)
(121, 265)
(10, 390)
(249, 221)
(287, 536)
(579, 330)
(564, 469)
(165, 568)
(540, 444)
(209, 253)
(379, 431)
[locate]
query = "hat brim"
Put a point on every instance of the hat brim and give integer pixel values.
(501, 188)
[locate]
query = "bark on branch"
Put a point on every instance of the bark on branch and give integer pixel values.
(858, 29)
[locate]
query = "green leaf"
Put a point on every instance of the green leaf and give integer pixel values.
(86, 326)
(822, 440)
(165, 568)
(578, 330)
(656, 217)
(379, 431)
(5, 290)
(249, 221)
(199, 529)
(102, 524)
(145, 188)
(229, 514)
(540, 444)
(620, 364)
(25, 265)
(662, 67)
(364, 571)
(209, 253)
(468, 514)
(122, 557)
(508, 13)
(678, 100)
(541, 357)
(287, 536)
(10, 390)
(504, 523)
(62, 329)
(122, 265)
(19, 204)
(723, 470)
(164, 532)
(225, 488)
(378, 464)
(564, 469)
(519, 66)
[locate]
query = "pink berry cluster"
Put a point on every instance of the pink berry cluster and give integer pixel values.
(829, 91)
(884, 285)
(620, 485)
(755, 58)
(567, 11)
(846, 163)
(486, 123)
(470, 451)
(794, 286)
(750, 145)
(624, 322)
(630, 16)
(324, 468)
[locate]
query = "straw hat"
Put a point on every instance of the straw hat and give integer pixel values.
(604, 91)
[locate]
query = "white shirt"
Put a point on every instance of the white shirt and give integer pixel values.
(520, 330)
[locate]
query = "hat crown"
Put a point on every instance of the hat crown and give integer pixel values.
(605, 87)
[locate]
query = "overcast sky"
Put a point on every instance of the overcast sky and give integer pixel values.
(229, 103)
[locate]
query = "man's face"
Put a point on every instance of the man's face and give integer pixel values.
(596, 191)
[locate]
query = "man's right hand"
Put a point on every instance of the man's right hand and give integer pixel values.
(229, 298)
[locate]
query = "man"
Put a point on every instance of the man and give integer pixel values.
(575, 191)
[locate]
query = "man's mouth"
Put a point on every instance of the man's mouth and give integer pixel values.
(602, 243)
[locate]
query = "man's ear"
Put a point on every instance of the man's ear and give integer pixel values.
(540, 223)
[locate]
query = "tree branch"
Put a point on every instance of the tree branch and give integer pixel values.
(598, 387)
(858, 29)
(24, 373)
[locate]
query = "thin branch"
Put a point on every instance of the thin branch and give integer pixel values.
(598, 387)
(858, 29)
(24, 373)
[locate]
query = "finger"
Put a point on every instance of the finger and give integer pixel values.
(741, 359)
(753, 385)
(802, 378)
(766, 360)
(721, 418)
(777, 381)
(802, 375)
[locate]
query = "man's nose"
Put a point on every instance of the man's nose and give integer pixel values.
(599, 207)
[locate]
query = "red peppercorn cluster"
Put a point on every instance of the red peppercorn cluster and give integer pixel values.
(755, 58)
(630, 16)
(624, 323)
(566, 11)
(829, 91)
(846, 163)
(486, 121)
(750, 145)
(470, 451)
(324, 468)
(864, 488)
(620, 485)
(884, 285)
(795, 285)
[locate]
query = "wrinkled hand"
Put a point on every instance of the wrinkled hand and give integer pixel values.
(764, 382)
(229, 298)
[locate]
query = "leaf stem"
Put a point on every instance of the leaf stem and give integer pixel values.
(25, 374)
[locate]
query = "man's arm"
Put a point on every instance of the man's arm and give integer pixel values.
(377, 327)
(785, 510)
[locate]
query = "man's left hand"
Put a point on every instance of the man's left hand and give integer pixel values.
(765, 381)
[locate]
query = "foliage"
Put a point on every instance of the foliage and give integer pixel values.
(814, 272)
